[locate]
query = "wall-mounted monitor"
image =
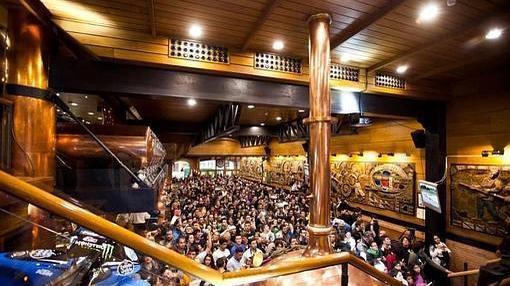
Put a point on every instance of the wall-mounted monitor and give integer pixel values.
(429, 195)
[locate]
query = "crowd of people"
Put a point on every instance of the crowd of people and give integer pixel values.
(229, 223)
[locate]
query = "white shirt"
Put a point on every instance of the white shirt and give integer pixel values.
(219, 254)
(233, 264)
(139, 218)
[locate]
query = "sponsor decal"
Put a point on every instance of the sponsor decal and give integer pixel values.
(44, 272)
(41, 253)
(90, 239)
(126, 267)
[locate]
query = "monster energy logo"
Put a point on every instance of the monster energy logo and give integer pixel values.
(107, 251)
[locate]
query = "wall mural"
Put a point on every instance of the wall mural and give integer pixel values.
(389, 186)
(477, 197)
(251, 167)
(284, 171)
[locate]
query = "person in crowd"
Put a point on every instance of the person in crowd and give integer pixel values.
(498, 272)
(222, 250)
(234, 263)
(417, 275)
(251, 252)
(439, 252)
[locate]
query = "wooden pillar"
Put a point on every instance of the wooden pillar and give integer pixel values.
(320, 136)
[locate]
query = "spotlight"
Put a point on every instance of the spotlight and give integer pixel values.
(251, 106)
(90, 113)
(345, 58)
(262, 124)
(195, 31)
(278, 118)
(428, 13)
(402, 69)
(493, 34)
(301, 110)
(73, 103)
(192, 102)
(100, 118)
(278, 45)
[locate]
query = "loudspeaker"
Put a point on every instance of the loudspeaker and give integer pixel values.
(306, 146)
(267, 150)
(418, 138)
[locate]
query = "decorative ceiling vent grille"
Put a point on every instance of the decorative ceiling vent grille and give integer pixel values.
(197, 51)
(391, 81)
(343, 72)
(277, 63)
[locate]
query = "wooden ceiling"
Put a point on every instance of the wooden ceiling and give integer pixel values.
(375, 34)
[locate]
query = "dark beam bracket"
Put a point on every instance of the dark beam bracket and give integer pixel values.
(296, 130)
(254, 141)
(224, 122)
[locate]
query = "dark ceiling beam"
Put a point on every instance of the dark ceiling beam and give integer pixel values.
(260, 22)
(152, 17)
(37, 8)
(257, 131)
(363, 23)
(469, 28)
(223, 123)
(151, 82)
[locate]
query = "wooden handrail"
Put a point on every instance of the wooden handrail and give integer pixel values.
(472, 271)
(85, 218)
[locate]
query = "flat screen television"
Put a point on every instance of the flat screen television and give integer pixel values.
(429, 195)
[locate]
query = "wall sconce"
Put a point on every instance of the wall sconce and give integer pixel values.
(360, 154)
(390, 154)
(496, 152)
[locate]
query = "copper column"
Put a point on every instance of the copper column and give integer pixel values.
(320, 134)
(34, 119)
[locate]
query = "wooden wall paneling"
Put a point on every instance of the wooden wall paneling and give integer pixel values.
(224, 147)
(461, 253)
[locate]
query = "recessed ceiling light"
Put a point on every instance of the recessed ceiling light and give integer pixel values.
(278, 45)
(73, 103)
(262, 124)
(90, 113)
(251, 106)
(192, 102)
(428, 13)
(278, 118)
(494, 33)
(86, 96)
(345, 58)
(402, 69)
(100, 118)
(195, 31)
(58, 94)
(301, 110)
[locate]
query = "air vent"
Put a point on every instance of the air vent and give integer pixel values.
(277, 63)
(344, 72)
(391, 81)
(197, 51)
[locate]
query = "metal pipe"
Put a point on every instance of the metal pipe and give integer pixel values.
(67, 110)
(320, 135)
(98, 224)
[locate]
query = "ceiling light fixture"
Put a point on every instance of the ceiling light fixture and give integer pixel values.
(494, 33)
(73, 103)
(90, 113)
(251, 106)
(192, 102)
(100, 118)
(428, 13)
(278, 118)
(262, 124)
(301, 110)
(402, 69)
(278, 45)
(345, 58)
(195, 31)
